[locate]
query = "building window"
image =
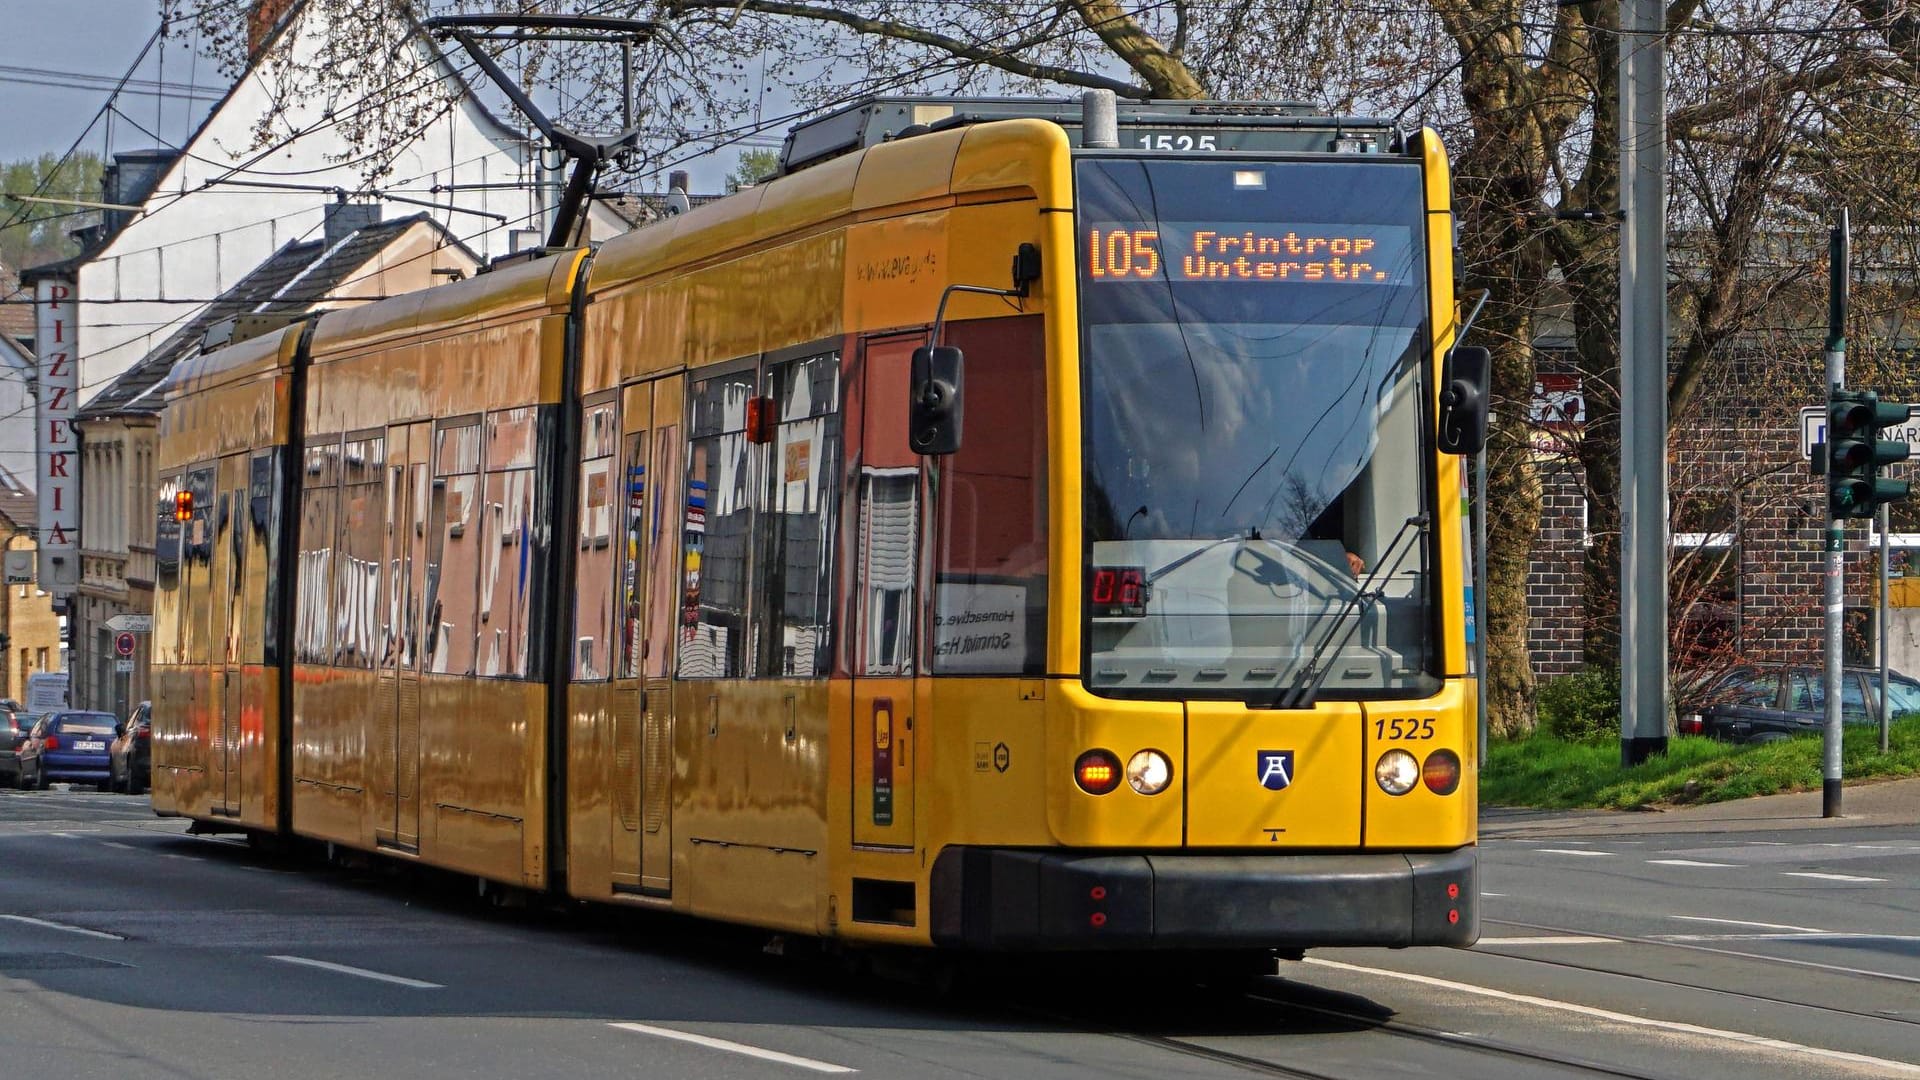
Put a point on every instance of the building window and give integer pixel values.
(1704, 576)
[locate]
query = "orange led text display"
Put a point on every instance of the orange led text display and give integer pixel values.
(1244, 255)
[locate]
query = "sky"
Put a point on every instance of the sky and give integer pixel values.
(84, 46)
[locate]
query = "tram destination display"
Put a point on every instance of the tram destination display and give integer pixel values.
(1250, 252)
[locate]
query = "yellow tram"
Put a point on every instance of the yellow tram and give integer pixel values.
(982, 535)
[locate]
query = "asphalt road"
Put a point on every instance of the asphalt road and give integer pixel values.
(128, 949)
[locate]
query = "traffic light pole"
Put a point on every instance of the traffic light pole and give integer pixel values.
(1836, 546)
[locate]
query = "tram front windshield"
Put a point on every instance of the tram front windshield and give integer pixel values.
(1257, 482)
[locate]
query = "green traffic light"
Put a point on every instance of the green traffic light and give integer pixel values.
(1855, 453)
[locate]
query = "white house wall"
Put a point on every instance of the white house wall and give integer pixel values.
(194, 242)
(16, 413)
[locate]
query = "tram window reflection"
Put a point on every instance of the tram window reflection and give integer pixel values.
(507, 571)
(794, 572)
(719, 514)
(319, 503)
(990, 594)
(453, 566)
(593, 593)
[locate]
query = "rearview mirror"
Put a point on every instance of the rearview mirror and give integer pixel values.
(934, 413)
(1463, 399)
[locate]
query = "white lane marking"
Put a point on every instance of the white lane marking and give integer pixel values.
(188, 858)
(397, 980)
(735, 1048)
(64, 835)
(1834, 877)
(63, 926)
(1766, 843)
(1498, 894)
(1569, 851)
(118, 844)
(1564, 939)
(1743, 1037)
(1834, 935)
(1744, 922)
(1691, 862)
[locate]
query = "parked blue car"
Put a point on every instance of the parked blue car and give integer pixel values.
(68, 745)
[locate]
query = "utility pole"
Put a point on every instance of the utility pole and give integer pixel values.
(1643, 377)
(1836, 546)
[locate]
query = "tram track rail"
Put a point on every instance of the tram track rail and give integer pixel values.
(1306, 998)
(1694, 946)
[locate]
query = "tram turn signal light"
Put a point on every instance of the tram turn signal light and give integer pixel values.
(183, 506)
(1097, 772)
(1441, 773)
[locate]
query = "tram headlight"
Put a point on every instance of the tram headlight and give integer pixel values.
(1149, 772)
(1396, 772)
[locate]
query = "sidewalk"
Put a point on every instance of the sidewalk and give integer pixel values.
(1892, 802)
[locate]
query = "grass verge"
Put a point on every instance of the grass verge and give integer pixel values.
(1545, 771)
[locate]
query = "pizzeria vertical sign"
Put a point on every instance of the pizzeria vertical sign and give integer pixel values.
(56, 442)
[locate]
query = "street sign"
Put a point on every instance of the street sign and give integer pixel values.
(1813, 429)
(20, 567)
(123, 643)
(131, 624)
(124, 667)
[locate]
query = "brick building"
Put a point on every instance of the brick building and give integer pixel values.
(1746, 520)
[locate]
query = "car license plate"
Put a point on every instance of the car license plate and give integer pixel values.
(89, 744)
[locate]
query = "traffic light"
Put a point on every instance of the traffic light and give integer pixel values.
(1855, 453)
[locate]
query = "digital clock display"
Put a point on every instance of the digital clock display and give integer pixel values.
(1250, 252)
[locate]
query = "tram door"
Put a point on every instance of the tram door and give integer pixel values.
(647, 573)
(229, 613)
(886, 599)
(396, 753)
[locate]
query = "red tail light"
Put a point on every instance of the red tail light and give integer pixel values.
(1692, 725)
(1441, 772)
(142, 734)
(53, 742)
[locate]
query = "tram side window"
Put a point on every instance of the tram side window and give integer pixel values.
(363, 535)
(793, 573)
(990, 591)
(660, 538)
(197, 556)
(603, 531)
(319, 507)
(509, 562)
(713, 599)
(453, 567)
(628, 589)
(166, 574)
(264, 522)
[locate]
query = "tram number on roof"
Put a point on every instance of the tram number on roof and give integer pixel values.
(1177, 143)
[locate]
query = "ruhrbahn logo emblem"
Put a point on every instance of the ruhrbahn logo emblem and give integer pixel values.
(1275, 769)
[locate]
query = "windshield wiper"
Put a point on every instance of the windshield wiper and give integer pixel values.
(1162, 571)
(1299, 693)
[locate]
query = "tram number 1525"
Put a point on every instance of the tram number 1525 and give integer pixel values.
(1408, 727)
(1178, 142)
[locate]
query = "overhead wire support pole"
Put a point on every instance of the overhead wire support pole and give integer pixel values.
(1643, 376)
(1836, 545)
